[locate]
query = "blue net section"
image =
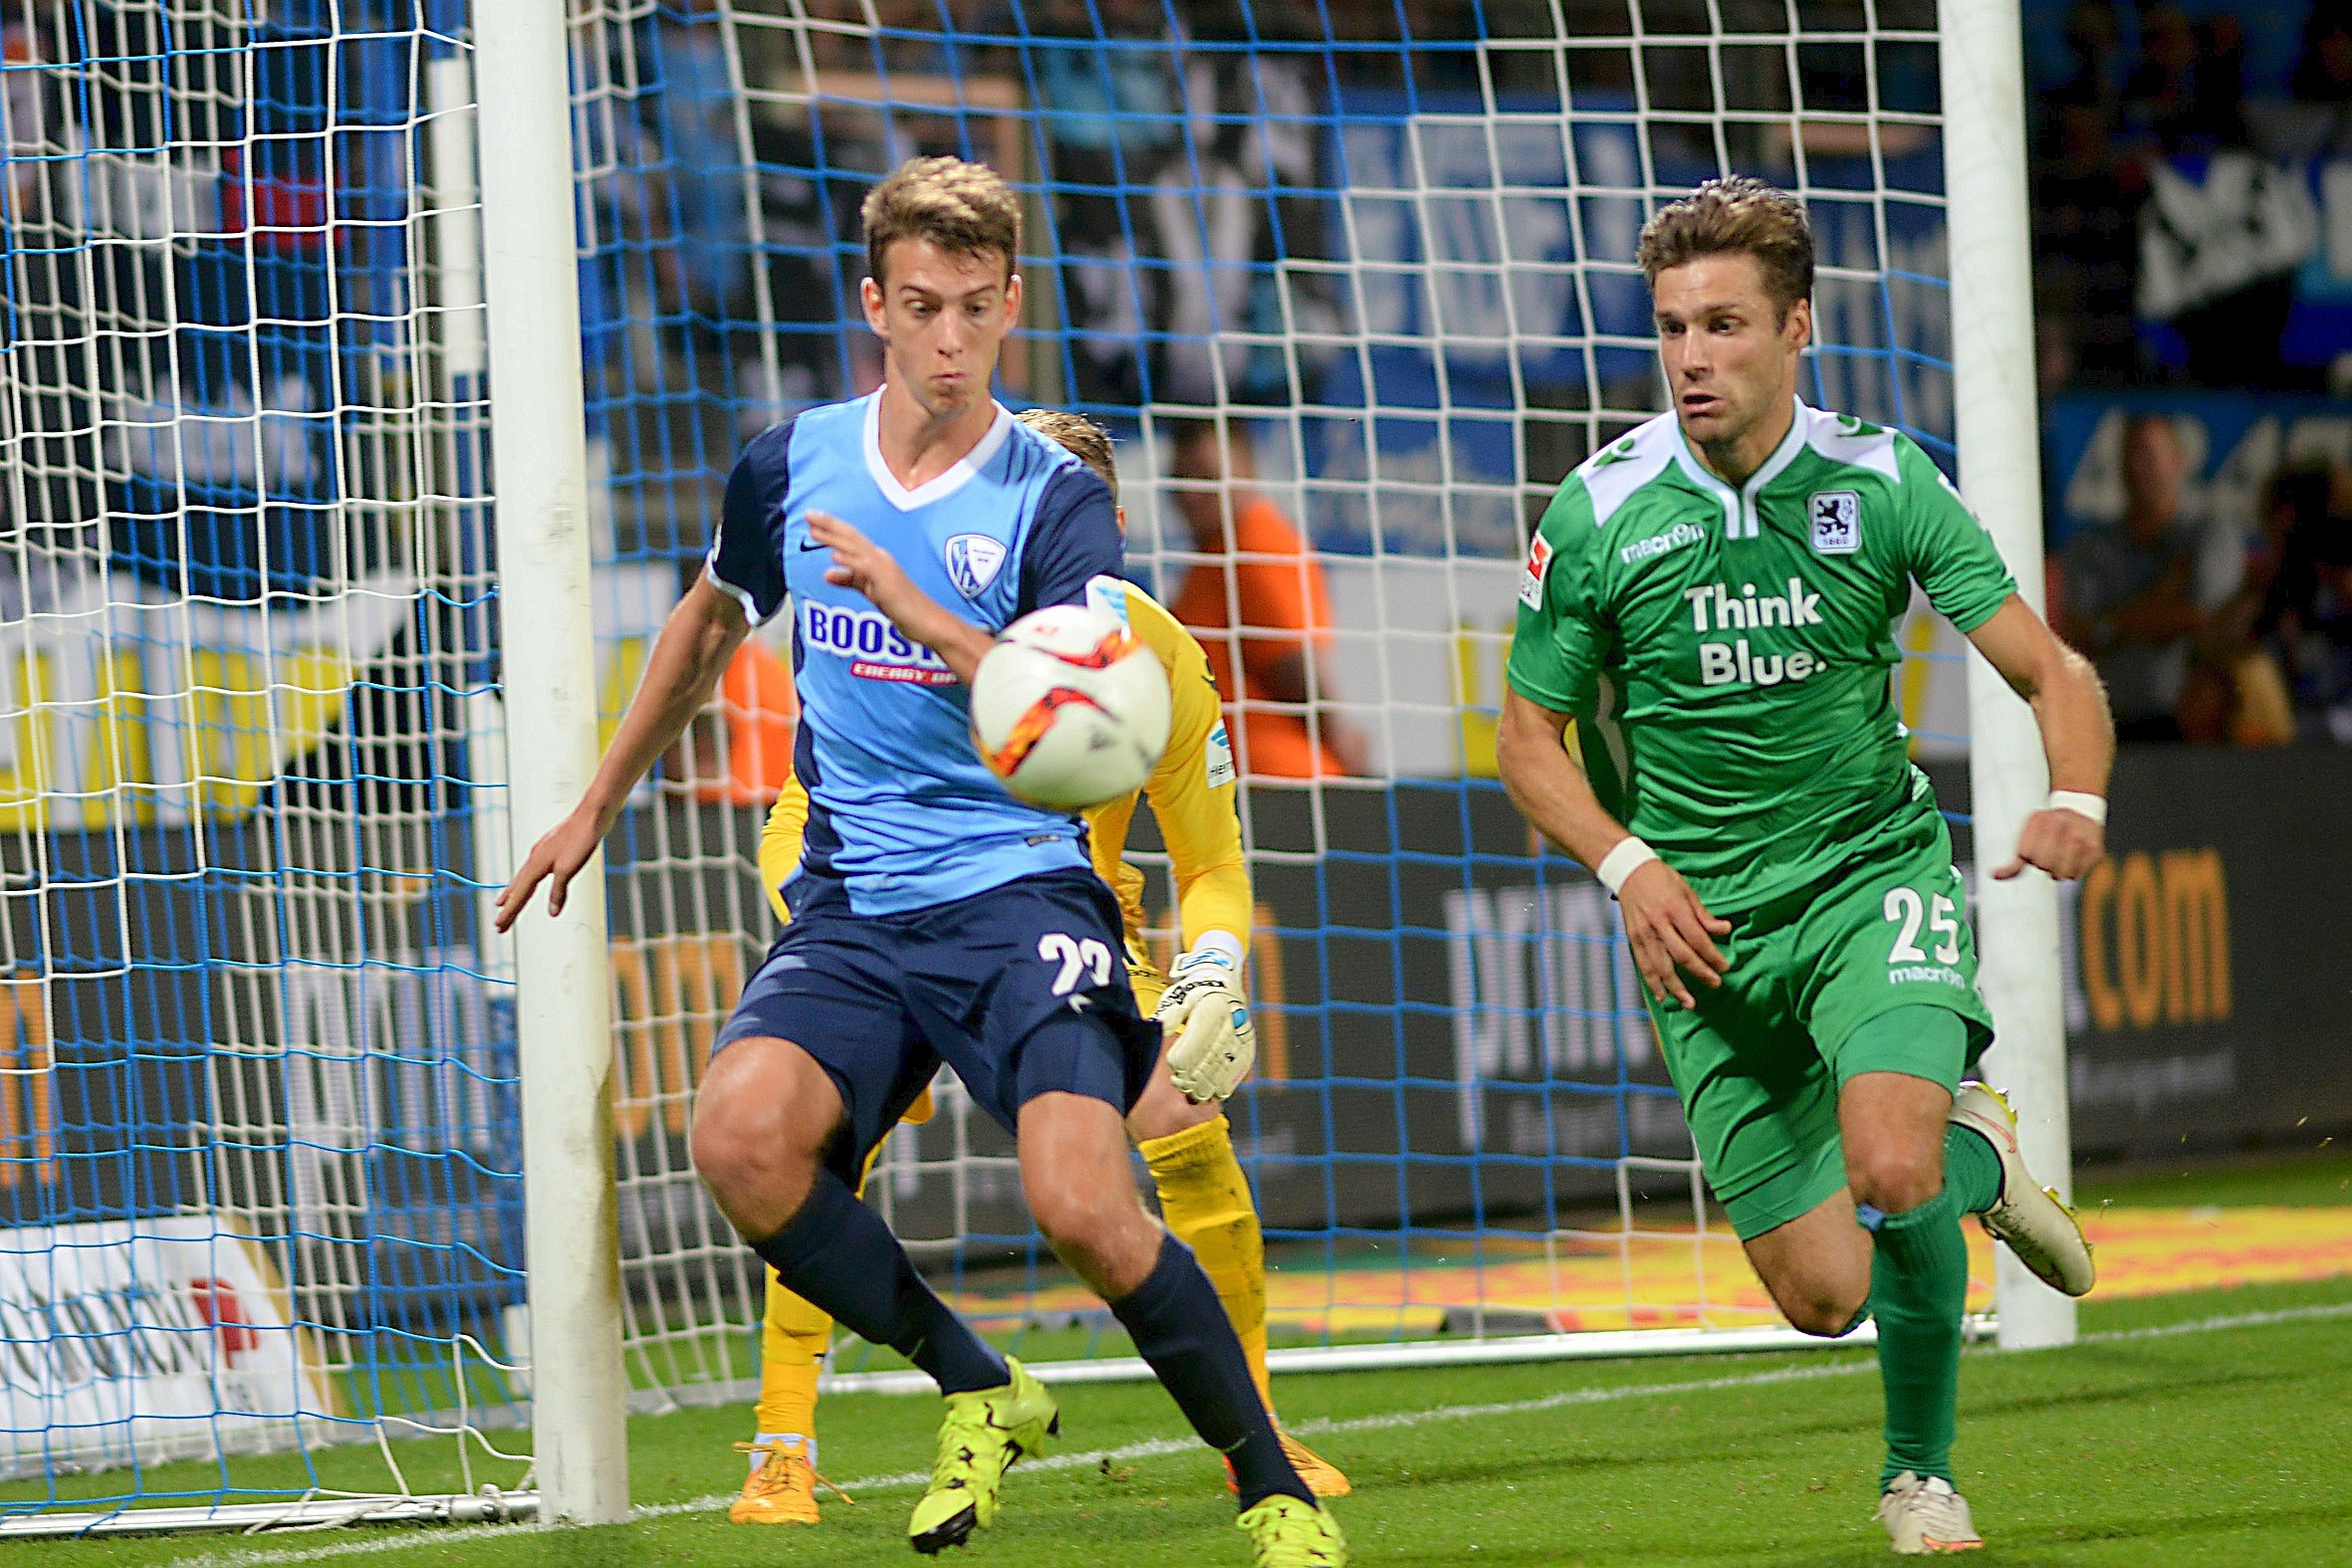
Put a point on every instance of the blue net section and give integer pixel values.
(259, 1131)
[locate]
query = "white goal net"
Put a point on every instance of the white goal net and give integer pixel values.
(261, 1216)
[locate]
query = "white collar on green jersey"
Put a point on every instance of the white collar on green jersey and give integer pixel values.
(1739, 506)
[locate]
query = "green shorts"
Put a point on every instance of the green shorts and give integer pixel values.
(1761, 1060)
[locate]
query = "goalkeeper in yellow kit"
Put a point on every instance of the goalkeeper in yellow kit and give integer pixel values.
(1177, 1124)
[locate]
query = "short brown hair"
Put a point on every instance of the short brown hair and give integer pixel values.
(1080, 436)
(1738, 214)
(962, 208)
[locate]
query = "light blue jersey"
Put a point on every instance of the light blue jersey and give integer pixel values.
(900, 807)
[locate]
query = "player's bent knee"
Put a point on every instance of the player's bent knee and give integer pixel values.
(761, 1118)
(1828, 1317)
(1895, 1180)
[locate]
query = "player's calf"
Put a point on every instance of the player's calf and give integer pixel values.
(1075, 1173)
(1816, 1267)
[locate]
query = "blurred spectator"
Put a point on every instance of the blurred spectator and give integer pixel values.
(1260, 591)
(2323, 65)
(2217, 97)
(2087, 215)
(2133, 594)
(2305, 620)
(2160, 94)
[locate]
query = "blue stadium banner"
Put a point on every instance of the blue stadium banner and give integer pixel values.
(2276, 238)
(2236, 443)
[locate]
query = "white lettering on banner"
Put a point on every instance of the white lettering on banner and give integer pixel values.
(2200, 241)
(394, 1050)
(145, 1339)
(1519, 955)
(122, 702)
(876, 650)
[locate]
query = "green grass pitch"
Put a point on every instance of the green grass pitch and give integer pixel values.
(2210, 1428)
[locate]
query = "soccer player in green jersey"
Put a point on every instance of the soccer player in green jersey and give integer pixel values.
(1711, 599)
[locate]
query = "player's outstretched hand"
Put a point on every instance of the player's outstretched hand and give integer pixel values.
(556, 859)
(1672, 933)
(2064, 843)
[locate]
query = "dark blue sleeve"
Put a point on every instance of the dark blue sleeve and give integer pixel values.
(745, 558)
(1073, 540)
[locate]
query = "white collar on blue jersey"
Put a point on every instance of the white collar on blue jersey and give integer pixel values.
(938, 486)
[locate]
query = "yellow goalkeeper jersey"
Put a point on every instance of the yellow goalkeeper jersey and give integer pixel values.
(1191, 794)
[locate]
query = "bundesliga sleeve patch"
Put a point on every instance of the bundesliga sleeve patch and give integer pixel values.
(1530, 583)
(1218, 756)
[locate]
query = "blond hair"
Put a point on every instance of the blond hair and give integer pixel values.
(1080, 436)
(1739, 215)
(962, 208)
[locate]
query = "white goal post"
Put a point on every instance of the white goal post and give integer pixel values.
(539, 448)
(2000, 439)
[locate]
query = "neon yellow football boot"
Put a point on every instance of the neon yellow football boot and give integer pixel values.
(1287, 1533)
(987, 1432)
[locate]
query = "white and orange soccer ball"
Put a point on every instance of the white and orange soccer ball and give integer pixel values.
(1070, 709)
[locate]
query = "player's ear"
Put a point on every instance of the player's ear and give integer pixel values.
(869, 294)
(1013, 296)
(1801, 324)
(1120, 513)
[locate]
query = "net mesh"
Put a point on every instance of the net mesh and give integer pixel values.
(259, 1125)
(1387, 254)
(259, 1172)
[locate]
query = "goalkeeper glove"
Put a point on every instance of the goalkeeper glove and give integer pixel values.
(1214, 1041)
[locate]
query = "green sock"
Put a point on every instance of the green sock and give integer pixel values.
(1919, 1281)
(1971, 1171)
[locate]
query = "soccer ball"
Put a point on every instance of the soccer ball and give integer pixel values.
(1070, 709)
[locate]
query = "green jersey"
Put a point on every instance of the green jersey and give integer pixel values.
(1727, 653)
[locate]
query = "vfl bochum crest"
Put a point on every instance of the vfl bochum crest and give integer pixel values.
(1837, 518)
(972, 561)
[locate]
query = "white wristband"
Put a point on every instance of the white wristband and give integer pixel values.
(1221, 948)
(1631, 855)
(2081, 803)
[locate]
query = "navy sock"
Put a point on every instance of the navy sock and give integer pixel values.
(840, 1255)
(1181, 1330)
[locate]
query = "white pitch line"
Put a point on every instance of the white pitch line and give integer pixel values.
(1161, 1447)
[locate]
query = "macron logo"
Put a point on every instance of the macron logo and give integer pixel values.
(1674, 538)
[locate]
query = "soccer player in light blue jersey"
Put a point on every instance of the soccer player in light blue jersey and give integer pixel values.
(934, 917)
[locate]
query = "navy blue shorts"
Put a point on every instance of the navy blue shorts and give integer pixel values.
(1022, 989)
